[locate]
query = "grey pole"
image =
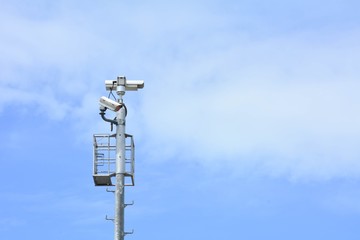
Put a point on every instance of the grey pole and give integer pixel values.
(120, 169)
(103, 170)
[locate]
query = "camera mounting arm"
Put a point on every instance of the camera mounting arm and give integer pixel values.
(102, 114)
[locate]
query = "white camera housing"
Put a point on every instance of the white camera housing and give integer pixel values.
(130, 85)
(110, 104)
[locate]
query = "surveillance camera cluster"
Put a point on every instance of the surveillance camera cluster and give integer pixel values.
(120, 85)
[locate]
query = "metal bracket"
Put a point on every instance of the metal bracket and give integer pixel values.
(129, 204)
(109, 219)
(102, 114)
(108, 190)
(126, 233)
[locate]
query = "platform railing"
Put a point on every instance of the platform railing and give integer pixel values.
(104, 159)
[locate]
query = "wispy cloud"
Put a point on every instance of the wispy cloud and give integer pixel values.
(281, 101)
(287, 105)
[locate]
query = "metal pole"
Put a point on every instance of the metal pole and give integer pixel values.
(120, 173)
(121, 85)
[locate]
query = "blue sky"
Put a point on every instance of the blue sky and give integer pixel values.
(247, 127)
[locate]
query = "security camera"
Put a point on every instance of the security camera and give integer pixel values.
(133, 85)
(110, 104)
(130, 85)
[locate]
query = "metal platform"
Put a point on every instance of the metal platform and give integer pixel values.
(104, 159)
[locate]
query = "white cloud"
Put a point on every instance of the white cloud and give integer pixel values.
(215, 90)
(286, 105)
